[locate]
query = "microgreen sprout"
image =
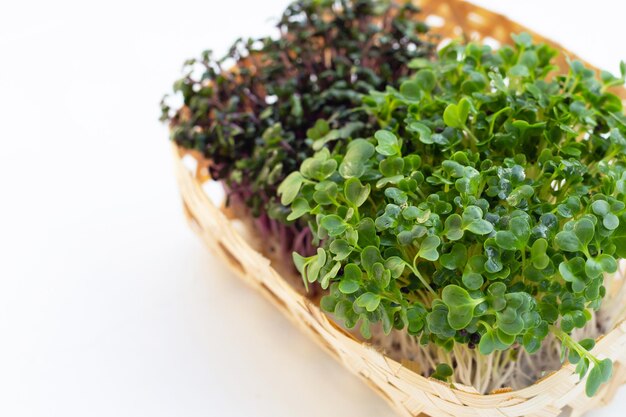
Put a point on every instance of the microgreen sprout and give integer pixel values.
(485, 210)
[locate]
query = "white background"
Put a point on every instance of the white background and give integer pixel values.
(109, 306)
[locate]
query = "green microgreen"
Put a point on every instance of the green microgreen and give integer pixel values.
(490, 202)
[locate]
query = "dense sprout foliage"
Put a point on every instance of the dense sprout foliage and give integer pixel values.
(250, 111)
(485, 211)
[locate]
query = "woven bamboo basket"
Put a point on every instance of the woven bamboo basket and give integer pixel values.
(232, 238)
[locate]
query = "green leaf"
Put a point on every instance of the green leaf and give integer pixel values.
(334, 225)
(584, 230)
(473, 221)
(350, 282)
(380, 276)
(424, 133)
(299, 261)
(407, 237)
(299, 208)
(370, 256)
(522, 39)
(573, 271)
(315, 265)
(453, 227)
(460, 305)
(410, 89)
(417, 63)
(368, 301)
(456, 259)
(504, 338)
(437, 320)
(519, 195)
(290, 187)
(516, 237)
(416, 317)
(396, 265)
(529, 59)
(398, 196)
(601, 207)
(493, 253)
(341, 248)
(319, 167)
(618, 238)
(487, 343)
(359, 151)
(570, 207)
(519, 71)
(417, 214)
(318, 130)
(594, 267)
(610, 221)
(428, 248)
(367, 233)
(355, 192)
(325, 192)
(576, 239)
(473, 281)
(469, 183)
(412, 163)
(453, 168)
(352, 272)
(538, 255)
(330, 274)
(472, 273)
(510, 321)
(606, 369)
(426, 80)
(496, 292)
(387, 143)
(455, 115)
(389, 218)
(328, 303)
(443, 372)
(599, 374)
(392, 166)
(568, 241)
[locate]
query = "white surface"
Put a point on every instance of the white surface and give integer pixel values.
(109, 306)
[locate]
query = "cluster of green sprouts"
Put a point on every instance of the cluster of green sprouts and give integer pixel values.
(484, 211)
